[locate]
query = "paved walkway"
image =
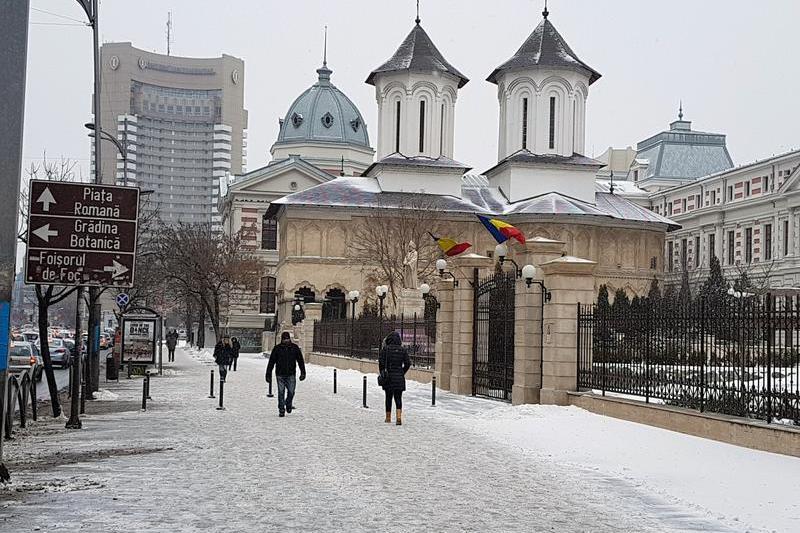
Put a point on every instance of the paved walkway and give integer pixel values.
(329, 466)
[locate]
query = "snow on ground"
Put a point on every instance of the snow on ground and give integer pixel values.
(105, 395)
(465, 465)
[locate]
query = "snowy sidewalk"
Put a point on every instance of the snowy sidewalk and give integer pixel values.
(465, 465)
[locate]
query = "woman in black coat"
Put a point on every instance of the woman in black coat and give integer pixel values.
(393, 363)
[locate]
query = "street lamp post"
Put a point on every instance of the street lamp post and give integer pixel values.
(121, 147)
(353, 297)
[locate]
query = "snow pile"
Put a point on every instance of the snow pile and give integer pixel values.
(105, 395)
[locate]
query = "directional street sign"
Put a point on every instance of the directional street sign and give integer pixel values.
(81, 234)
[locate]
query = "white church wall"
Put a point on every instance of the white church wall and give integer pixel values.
(522, 182)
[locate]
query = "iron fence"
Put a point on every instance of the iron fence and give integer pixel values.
(736, 356)
(361, 338)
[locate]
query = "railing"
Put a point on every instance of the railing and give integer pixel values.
(736, 356)
(20, 390)
(361, 338)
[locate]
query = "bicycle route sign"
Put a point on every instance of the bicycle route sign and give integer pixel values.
(81, 234)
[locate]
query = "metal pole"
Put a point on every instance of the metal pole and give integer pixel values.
(144, 395)
(433, 392)
(211, 390)
(147, 381)
(74, 421)
(221, 394)
(365, 393)
(334, 381)
(161, 346)
(13, 62)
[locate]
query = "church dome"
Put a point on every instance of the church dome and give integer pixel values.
(323, 114)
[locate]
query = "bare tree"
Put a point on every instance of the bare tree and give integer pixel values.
(207, 264)
(381, 239)
(46, 295)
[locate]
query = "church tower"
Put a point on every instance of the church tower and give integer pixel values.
(416, 91)
(542, 91)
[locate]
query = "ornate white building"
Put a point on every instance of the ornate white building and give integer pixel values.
(541, 183)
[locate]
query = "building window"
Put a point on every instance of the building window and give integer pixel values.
(268, 295)
(712, 247)
(697, 251)
(441, 135)
(524, 123)
(785, 237)
(684, 252)
(269, 233)
(730, 193)
(635, 176)
(669, 209)
(713, 197)
(653, 263)
(683, 205)
(670, 256)
(767, 242)
(748, 245)
(552, 122)
(747, 188)
(397, 127)
(422, 126)
(334, 306)
(697, 202)
(731, 248)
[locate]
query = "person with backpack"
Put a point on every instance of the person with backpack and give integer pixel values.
(285, 358)
(393, 363)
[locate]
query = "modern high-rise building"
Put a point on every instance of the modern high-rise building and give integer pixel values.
(184, 125)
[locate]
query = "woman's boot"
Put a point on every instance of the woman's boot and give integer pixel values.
(399, 417)
(388, 417)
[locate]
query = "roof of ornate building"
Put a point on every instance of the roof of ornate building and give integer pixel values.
(545, 47)
(684, 154)
(477, 196)
(325, 114)
(417, 53)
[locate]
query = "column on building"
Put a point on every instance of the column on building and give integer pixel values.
(444, 333)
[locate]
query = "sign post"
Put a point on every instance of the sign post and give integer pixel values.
(81, 234)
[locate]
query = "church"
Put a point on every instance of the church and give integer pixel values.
(308, 210)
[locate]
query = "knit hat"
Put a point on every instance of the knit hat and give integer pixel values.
(286, 335)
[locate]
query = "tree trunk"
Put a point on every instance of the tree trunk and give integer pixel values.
(43, 323)
(201, 328)
(187, 321)
(215, 316)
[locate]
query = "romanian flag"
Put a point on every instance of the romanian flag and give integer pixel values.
(449, 246)
(502, 231)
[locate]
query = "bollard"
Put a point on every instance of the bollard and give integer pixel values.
(147, 380)
(269, 389)
(433, 392)
(144, 395)
(130, 369)
(334, 381)
(211, 391)
(365, 393)
(221, 394)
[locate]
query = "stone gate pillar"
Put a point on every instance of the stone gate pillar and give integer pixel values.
(527, 343)
(444, 333)
(313, 312)
(571, 281)
(463, 316)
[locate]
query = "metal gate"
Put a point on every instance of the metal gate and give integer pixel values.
(493, 336)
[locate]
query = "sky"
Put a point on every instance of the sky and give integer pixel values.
(730, 62)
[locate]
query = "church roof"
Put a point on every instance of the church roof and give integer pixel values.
(477, 197)
(420, 161)
(323, 113)
(526, 156)
(545, 48)
(417, 53)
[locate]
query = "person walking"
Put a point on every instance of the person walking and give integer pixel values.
(236, 347)
(285, 358)
(172, 342)
(393, 363)
(223, 354)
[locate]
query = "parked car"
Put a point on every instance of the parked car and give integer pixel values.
(23, 355)
(59, 353)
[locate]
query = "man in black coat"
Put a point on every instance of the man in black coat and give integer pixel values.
(223, 355)
(285, 358)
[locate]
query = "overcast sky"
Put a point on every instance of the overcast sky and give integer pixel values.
(733, 63)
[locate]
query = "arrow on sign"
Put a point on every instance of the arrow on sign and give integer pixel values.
(116, 269)
(45, 232)
(46, 198)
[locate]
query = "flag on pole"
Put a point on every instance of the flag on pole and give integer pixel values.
(450, 247)
(502, 231)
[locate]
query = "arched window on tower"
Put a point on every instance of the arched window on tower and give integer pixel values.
(422, 126)
(441, 136)
(397, 127)
(269, 233)
(552, 122)
(524, 123)
(268, 295)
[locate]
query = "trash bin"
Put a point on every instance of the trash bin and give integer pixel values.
(112, 373)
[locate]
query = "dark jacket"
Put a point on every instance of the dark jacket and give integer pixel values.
(394, 360)
(285, 358)
(172, 340)
(223, 354)
(236, 347)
